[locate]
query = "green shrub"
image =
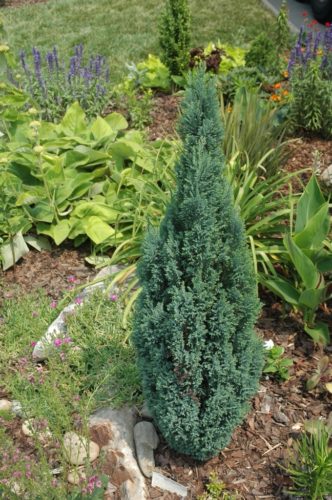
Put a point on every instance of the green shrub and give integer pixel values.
(174, 35)
(252, 131)
(262, 54)
(198, 355)
(311, 102)
(240, 77)
(282, 31)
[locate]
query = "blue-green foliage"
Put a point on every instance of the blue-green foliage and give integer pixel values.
(198, 355)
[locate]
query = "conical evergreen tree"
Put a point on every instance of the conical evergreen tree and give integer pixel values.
(174, 35)
(198, 355)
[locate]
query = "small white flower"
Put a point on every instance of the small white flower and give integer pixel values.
(268, 344)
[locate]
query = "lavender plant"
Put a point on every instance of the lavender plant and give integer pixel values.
(54, 84)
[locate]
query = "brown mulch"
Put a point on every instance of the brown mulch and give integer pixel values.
(164, 115)
(20, 3)
(48, 271)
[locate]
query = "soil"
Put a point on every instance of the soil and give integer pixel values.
(164, 114)
(20, 3)
(251, 465)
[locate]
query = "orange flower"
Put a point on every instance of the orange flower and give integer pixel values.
(285, 92)
(277, 85)
(275, 97)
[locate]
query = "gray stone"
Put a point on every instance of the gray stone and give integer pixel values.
(281, 418)
(145, 412)
(266, 404)
(146, 440)
(164, 483)
(17, 409)
(326, 176)
(119, 454)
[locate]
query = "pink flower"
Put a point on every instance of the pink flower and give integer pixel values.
(53, 304)
(67, 340)
(71, 279)
(33, 344)
(57, 342)
(78, 300)
(113, 297)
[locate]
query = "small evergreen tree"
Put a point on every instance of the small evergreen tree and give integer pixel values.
(282, 33)
(174, 36)
(198, 355)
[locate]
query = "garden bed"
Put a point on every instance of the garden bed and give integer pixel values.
(250, 465)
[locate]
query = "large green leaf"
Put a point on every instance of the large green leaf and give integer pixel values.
(97, 230)
(310, 202)
(312, 297)
(116, 121)
(316, 229)
(41, 212)
(89, 208)
(319, 333)
(12, 252)
(73, 123)
(304, 266)
(58, 232)
(324, 262)
(101, 129)
(283, 289)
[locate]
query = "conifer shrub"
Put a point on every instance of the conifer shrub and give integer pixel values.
(174, 36)
(199, 357)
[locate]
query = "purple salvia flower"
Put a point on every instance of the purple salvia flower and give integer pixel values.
(50, 61)
(56, 59)
(317, 42)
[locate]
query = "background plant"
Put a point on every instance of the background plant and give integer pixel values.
(310, 70)
(276, 364)
(54, 84)
(305, 249)
(310, 464)
(174, 35)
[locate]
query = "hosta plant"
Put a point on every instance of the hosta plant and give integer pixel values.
(87, 180)
(199, 357)
(305, 248)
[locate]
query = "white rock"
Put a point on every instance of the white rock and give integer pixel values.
(30, 429)
(5, 405)
(78, 449)
(76, 476)
(120, 451)
(27, 428)
(44, 346)
(146, 440)
(326, 176)
(164, 483)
